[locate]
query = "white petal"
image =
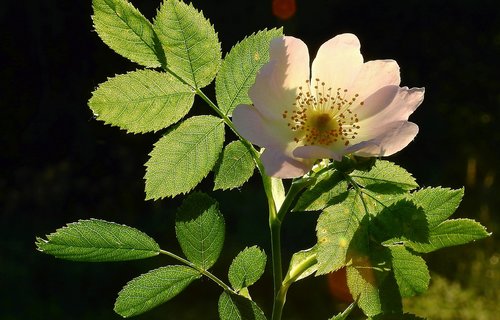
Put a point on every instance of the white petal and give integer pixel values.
(278, 163)
(376, 102)
(389, 139)
(252, 126)
(338, 61)
(375, 75)
(316, 152)
(275, 87)
(405, 102)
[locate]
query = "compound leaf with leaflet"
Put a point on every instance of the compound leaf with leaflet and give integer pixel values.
(98, 241)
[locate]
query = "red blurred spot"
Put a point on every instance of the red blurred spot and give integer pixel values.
(337, 282)
(284, 9)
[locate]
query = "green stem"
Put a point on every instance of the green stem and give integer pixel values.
(275, 227)
(295, 189)
(275, 221)
(229, 123)
(212, 105)
(275, 217)
(292, 276)
(200, 270)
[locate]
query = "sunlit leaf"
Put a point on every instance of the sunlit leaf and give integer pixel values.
(240, 67)
(125, 30)
(247, 267)
(402, 220)
(97, 241)
(330, 189)
(385, 177)
(153, 288)
(199, 227)
(450, 233)
(141, 101)
(236, 307)
(343, 315)
(184, 156)
(375, 290)
(438, 203)
(396, 316)
(335, 229)
(301, 259)
(191, 46)
(236, 166)
(369, 277)
(410, 271)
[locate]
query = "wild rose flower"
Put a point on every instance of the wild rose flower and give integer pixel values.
(345, 106)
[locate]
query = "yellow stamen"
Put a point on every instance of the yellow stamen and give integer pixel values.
(323, 118)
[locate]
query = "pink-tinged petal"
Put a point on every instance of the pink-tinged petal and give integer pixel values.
(316, 152)
(338, 61)
(275, 87)
(376, 102)
(359, 146)
(405, 102)
(389, 139)
(375, 75)
(253, 127)
(278, 163)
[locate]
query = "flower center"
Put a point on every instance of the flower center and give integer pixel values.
(324, 118)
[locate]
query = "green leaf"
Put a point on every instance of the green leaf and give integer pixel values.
(438, 203)
(236, 166)
(375, 291)
(450, 233)
(199, 227)
(278, 191)
(361, 272)
(396, 316)
(184, 156)
(141, 101)
(363, 287)
(125, 30)
(247, 267)
(385, 177)
(302, 264)
(153, 288)
(240, 67)
(236, 307)
(335, 230)
(191, 46)
(330, 189)
(343, 315)
(369, 278)
(410, 271)
(402, 220)
(97, 241)
(378, 202)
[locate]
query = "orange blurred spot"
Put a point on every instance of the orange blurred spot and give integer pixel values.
(337, 282)
(284, 9)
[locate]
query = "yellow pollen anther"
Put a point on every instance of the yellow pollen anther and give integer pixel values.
(319, 117)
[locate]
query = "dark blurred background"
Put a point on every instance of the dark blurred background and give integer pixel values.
(59, 164)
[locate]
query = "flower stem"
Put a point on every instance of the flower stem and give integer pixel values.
(276, 217)
(291, 277)
(200, 270)
(275, 228)
(295, 189)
